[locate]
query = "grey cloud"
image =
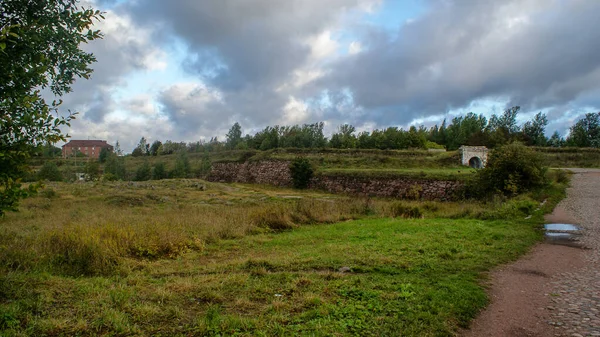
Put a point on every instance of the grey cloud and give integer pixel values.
(461, 51)
(245, 49)
(118, 54)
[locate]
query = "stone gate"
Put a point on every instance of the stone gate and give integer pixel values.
(474, 156)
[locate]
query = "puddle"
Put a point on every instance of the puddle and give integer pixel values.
(560, 227)
(563, 234)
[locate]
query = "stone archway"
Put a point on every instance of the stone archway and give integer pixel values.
(474, 156)
(476, 163)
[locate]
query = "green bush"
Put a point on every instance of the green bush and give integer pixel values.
(50, 171)
(404, 211)
(143, 172)
(159, 171)
(301, 171)
(561, 176)
(511, 170)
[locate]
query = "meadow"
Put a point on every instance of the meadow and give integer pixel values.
(189, 257)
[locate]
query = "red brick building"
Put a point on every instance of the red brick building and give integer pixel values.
(90, 148)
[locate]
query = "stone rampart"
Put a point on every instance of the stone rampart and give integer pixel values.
(277, 173)
(268, 172)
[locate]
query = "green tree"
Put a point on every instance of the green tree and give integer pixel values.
(533, 130)
(234, 136)
(39, 49)
(301, 171)
(49, 171)
(556, 140)
(344, 138)
(144, 172)
(92, 170)
(182, 165)
(115, 166)
(142, 149)
(155, 147)
(159, 171)
(511, 169)
(103, 155)
(586, 132)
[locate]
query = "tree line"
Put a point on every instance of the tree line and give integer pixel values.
(470, 129)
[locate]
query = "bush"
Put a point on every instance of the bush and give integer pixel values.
(143, 172)
(511, 169)
(50, 171)
(301, 171)
(159, 171)
(404, 211)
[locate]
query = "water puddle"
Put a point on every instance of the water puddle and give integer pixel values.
(560, 227)
(563, 234)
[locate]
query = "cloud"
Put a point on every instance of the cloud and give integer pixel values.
(125, 48)
(264, 62)
(256, 54)
(536, 54)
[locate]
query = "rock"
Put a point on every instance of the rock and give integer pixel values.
(345, 270)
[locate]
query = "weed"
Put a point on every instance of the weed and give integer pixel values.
(401, 210)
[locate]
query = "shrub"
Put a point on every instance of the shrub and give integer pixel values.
(49, 193)
(404, 211)
(159, 172)
(143, 172)
(109, 177)
(561, 176)
(50, 171)
(511, 169)
(301, 171)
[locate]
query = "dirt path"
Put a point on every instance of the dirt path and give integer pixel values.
(554, 290)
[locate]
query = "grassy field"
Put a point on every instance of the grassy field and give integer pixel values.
(187, 257)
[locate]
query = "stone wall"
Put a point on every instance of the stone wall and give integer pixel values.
(277, 173)
(268, 172)
(404, 188)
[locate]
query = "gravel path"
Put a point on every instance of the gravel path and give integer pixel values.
(575, 295)
(554, 290)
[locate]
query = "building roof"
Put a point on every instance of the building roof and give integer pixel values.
(87, 143)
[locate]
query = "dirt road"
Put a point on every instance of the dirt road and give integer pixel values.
(554, 290)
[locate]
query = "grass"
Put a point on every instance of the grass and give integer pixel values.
(187, 257)
(462, 173)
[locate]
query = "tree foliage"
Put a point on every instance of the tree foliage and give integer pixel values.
(301, 171)
(39, 50)
(586, 132)
(511, 169)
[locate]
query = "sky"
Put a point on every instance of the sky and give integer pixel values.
(187, 70)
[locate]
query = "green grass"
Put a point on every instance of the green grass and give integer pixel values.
(187, 257)
(408, 277)
(462, 173)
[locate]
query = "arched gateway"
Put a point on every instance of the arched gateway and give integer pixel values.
(474, 156)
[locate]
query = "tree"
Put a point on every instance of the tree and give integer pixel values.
(118, 150)
(182, 165)
(344, 138)
(103, 155)
(155, 147)
(49, 171)
(556, 140)
(511, 169)
(142, 149)
(234, 136)
(92, 170)
(115, 166)
(586, 132)
(39, 49)
(144, 172)
(159, 171)
(533, 130)
(301, 171)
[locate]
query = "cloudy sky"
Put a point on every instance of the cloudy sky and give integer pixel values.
(186, 70)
